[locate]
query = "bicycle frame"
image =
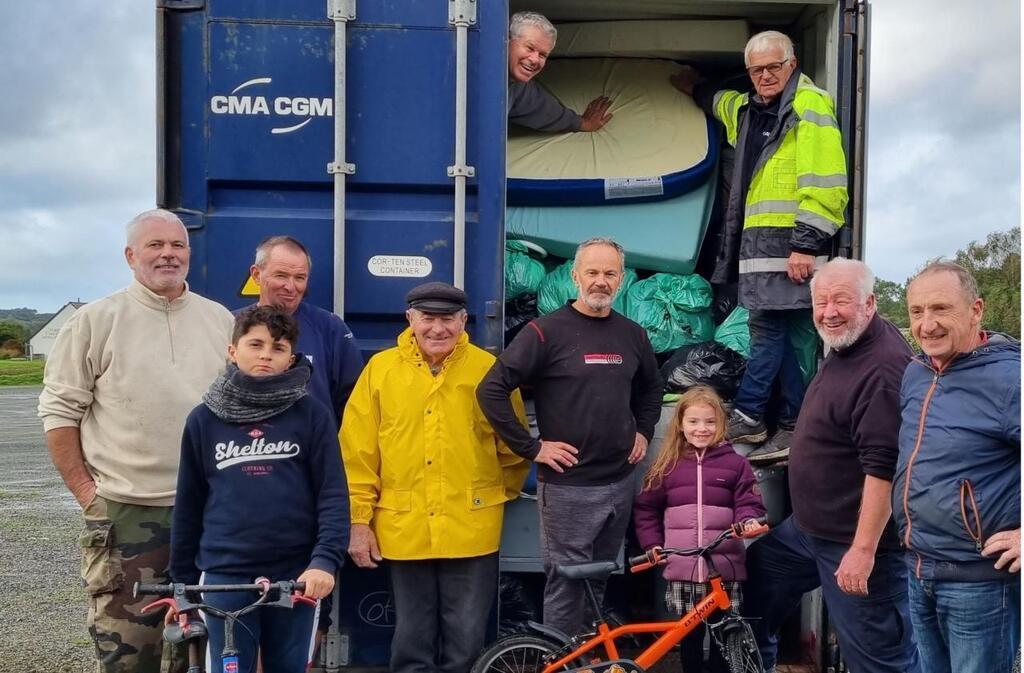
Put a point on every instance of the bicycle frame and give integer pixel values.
(672, 632)
(288, 593)
(717, 600)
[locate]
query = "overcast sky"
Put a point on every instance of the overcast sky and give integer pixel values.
(77, 138)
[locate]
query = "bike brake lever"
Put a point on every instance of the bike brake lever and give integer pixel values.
(169, 602)
(303, 599)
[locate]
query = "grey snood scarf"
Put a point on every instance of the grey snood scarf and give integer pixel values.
(239, 398)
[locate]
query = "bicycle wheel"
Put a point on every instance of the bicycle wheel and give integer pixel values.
(524, 653)
(740, 649)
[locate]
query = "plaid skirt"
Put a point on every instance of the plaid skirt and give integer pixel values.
(681, 597)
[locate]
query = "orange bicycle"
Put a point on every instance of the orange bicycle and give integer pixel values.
(548, 650)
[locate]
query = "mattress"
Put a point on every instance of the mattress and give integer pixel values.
(678, 39)
(658, 145)
(660, 236)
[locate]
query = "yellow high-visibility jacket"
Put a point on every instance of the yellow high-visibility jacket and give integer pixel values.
(796, 198)
(425, 469)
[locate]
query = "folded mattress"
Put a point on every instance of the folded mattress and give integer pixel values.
(658, 145)
(658, 236)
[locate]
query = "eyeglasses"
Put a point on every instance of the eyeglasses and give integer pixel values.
(772, 68)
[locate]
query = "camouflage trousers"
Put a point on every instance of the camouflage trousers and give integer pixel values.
(123, 544)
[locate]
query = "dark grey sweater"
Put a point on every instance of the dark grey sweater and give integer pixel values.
(532, 106)
(595, 382)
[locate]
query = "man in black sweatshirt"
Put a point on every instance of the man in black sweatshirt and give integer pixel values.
(841, 536)
(598, 396)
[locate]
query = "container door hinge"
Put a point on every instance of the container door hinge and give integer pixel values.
(462, 12)
(346, 168)
(465, 171)
(341, 10)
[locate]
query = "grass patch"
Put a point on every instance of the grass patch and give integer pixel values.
(21, 372)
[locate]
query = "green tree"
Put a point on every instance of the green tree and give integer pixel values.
(12, 331)
(892, 301)
(995, 264)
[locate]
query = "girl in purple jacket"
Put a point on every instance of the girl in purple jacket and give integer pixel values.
(696, 488)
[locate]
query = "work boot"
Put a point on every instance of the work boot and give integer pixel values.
(775, 449)
(742, 429)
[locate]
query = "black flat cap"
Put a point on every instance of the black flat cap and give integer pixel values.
(436, 298)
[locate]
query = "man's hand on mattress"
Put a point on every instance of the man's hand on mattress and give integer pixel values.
(686, 79)
(596, 115)
(800, 267)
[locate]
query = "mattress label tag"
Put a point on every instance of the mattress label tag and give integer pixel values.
(630, 188)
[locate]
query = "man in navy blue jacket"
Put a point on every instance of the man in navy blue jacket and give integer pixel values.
(956, 495)
(281, 270)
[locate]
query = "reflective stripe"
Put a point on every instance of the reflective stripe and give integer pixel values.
(822, 224)
(811, 180)
(819, 119)
(772, 206)
(772, 264)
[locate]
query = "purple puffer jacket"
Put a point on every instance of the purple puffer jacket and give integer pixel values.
(696, 501)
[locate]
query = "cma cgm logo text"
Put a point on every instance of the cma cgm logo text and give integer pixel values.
(245, 101)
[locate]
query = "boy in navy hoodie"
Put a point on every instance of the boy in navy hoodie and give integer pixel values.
(261, 491)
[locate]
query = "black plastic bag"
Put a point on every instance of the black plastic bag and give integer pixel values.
(518, 312)
(520, 597)
(725, 301)
(709, 363)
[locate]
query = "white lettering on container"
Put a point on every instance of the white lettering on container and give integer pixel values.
(408, 266)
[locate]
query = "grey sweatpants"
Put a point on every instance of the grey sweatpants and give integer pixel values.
(578, 524)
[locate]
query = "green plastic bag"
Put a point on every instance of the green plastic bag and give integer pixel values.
(675, 310)
(523, 273)
(733, 333)
(557, 288)
(805, 340)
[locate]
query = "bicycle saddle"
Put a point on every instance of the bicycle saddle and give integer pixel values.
(588, 570)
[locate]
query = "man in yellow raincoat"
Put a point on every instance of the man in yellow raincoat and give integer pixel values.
(428, 479)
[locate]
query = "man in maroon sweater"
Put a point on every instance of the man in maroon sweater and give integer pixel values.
(840, 536)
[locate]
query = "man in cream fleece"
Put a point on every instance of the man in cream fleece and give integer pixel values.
(123, 375)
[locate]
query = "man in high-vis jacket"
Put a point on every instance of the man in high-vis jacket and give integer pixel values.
(786, 202)
(428, 480)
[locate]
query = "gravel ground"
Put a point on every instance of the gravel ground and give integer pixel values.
(42, 606)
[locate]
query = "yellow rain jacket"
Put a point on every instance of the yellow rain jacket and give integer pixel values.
(425, 469)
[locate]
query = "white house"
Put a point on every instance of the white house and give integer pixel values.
(40, 343)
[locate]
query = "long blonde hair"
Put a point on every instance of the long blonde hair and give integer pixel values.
(675, 447)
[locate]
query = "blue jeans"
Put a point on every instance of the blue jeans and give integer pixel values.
(282, 635)
(965, 627)
(874, 630)
(772, 355)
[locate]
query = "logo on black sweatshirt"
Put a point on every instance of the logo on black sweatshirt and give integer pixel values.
(258, 450)
(602, 359)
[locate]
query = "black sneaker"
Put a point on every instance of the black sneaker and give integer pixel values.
(742, 430)
(775, 449)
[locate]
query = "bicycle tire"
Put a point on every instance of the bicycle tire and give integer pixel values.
(520, 653)
(740, 650)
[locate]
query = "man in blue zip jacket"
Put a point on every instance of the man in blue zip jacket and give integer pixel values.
(281, 270)
(956, 494)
